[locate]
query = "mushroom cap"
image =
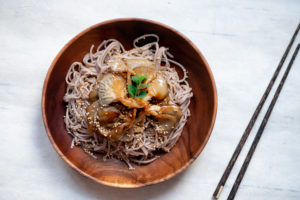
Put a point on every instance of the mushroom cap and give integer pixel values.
(111, 88)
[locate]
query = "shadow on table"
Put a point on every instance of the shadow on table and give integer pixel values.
(85, 186)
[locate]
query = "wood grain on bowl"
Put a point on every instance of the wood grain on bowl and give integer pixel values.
(196, 132)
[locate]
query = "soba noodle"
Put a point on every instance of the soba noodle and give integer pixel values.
(82, 77)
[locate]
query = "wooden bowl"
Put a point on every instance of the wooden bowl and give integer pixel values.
(195, 134)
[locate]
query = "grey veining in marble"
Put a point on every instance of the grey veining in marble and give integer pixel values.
(242, 41)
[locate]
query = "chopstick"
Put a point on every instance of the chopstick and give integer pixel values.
(261, 129)
(250, 125)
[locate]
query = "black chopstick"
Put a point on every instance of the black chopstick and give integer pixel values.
(247, 131)
(261, 129)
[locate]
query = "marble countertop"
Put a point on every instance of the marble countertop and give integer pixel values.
(242, 41)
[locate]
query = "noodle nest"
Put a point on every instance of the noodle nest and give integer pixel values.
(83, 76)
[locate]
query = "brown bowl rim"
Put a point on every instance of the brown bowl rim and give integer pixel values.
(45, 120)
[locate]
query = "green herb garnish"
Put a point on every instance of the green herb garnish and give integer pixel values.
(136, 90)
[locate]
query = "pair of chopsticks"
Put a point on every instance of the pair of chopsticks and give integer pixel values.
(250, 125)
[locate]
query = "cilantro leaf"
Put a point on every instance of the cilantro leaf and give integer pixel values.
(143, 86)
(141, 77)
(132, 90)
(135, 80)
(136, 89)
(142, 94)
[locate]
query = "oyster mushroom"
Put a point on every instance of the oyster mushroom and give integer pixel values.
(148, 71)
(119, 130)
(108, 114)
(134, 63)
(98, 115)
(158, 88)
(166, 117)
(109, 122)
(93, 96)
(111, 88)
(117, 65)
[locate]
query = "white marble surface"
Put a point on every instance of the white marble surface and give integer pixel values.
(242, 41)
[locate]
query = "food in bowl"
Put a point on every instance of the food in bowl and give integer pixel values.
(127, 104)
